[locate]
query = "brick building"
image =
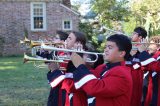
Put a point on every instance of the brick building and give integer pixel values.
(39, 18)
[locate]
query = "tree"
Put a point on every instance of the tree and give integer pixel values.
(111, 11)
(110, 14)
(92, 35)
(147, 14)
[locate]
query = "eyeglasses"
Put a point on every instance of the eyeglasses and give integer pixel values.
(134, 33)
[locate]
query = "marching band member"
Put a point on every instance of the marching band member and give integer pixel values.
(56, 76)
(79, 95)
(114, 86)
(57, 95)
(141, 61)
(152, 91)
(137, 74)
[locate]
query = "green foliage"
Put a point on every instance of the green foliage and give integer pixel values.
(147, 14)
(111, 10)
(91, 34)
(129, 26)
(126, 13)
(22, 84)
(87, 29)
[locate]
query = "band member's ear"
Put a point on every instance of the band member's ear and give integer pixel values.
(139, 37)
(122, 53)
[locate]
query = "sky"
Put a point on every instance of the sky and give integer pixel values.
(82, 1)
(85, 6)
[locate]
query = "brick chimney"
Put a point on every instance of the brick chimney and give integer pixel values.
(67, 3)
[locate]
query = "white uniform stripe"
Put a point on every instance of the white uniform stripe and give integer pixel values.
(136, 66)
(70, 96)
(158, 58)
(145, 75)
(56, 81)
(90, 100)
(153, 74)
(146, 62)
(69, 75)
(84, 80)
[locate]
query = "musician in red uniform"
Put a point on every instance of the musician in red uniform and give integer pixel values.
(146, 63)
(114, 87)
(56, 76)
(137, 73)
(79, 96)
(153, 67)
(57, 95)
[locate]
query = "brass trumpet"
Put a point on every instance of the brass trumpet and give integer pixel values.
(145, 43)
(45, 47)
(28, 58)
(32, 43)
(25, 41)
(35, 59)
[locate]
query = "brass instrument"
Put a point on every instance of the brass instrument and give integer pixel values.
(32, 43)
(28, 58)
(145, 43)
(25, 41)
(45, 47)
(39, 59)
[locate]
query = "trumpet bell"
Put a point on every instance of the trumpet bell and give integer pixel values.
(26, 40)
(28, 58)
(39, 43)
(41, 65)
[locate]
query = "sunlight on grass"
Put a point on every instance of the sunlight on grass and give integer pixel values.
(22, 84)
(7, 67)
(7, 63)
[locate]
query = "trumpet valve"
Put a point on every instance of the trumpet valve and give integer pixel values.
(25, 60)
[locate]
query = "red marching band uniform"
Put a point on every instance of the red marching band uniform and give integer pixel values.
(89, 82)
(57, 95)
(146, 63)
(154, 65)
(110, 83)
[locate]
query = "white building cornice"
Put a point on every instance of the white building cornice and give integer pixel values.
(75, 12)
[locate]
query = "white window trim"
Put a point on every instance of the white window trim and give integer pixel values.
(70, 24)
(44, 16)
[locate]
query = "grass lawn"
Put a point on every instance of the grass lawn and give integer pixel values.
(22, 84)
